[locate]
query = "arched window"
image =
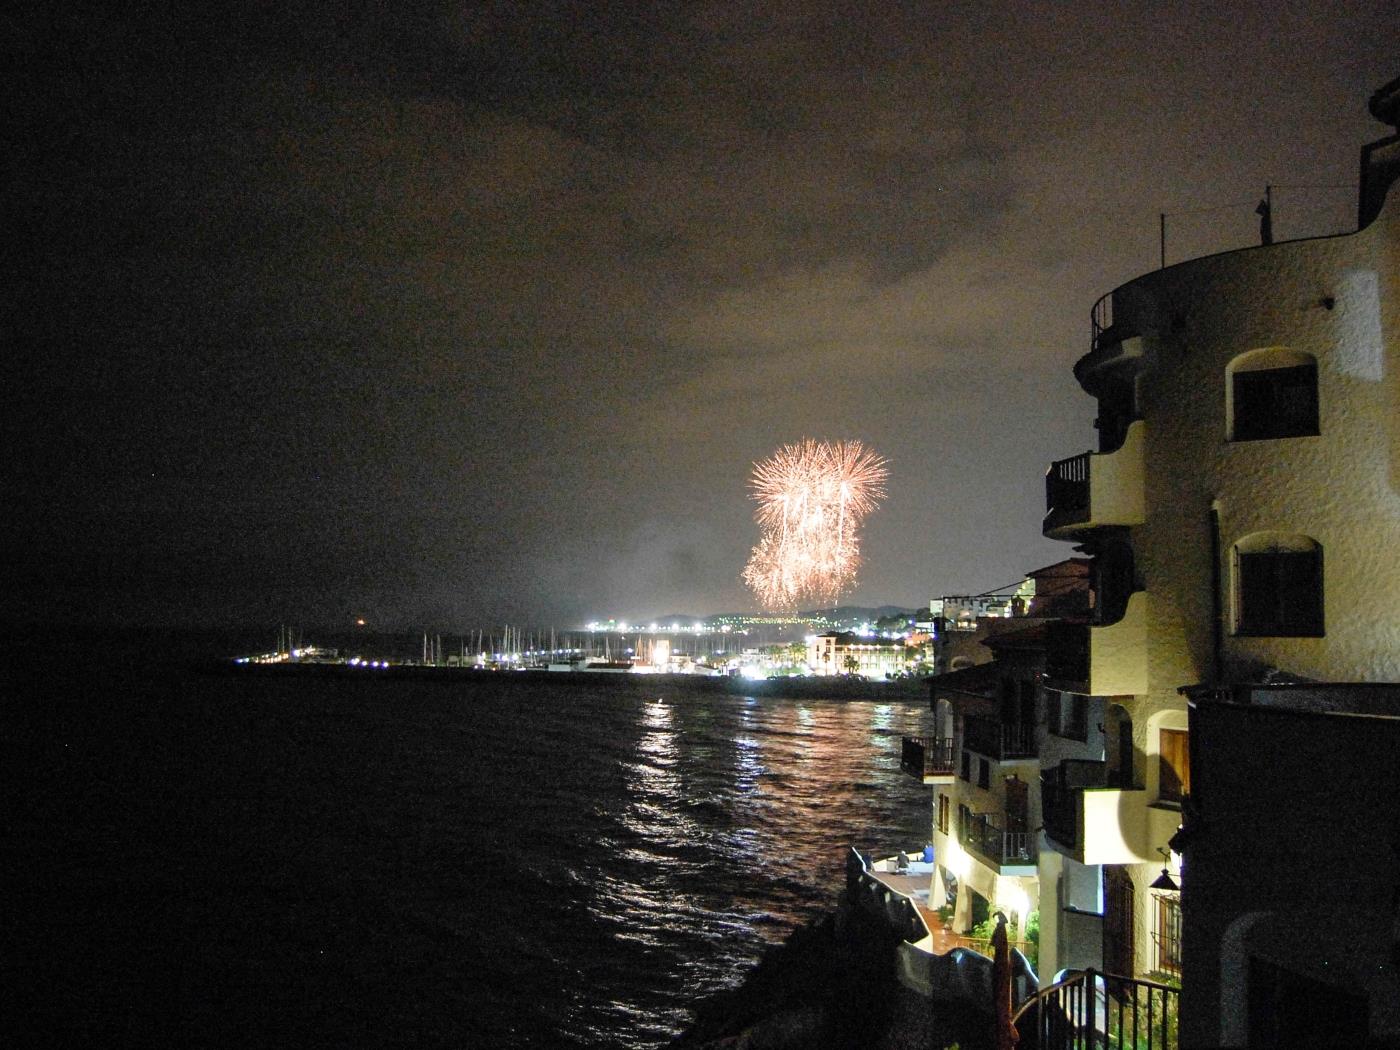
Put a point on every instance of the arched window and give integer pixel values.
(1278, 586)
(1271, 393)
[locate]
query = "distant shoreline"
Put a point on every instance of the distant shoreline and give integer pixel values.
(821, 688)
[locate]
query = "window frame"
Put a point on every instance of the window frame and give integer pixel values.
(1279, 589)
(1273, 394)
(1176, 761)
(1167, 934)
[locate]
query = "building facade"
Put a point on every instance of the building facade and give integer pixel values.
(1243, 516)
(846, 653)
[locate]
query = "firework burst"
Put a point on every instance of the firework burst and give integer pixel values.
(812, 497)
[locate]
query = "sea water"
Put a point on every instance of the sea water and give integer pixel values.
(230, 861)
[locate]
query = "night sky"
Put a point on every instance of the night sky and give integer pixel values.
(451, 314)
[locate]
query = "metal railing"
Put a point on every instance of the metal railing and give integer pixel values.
(983, 945)
(1100, 320)
(1090, 1010)
(980, 834)
(926, 756)
(1067, 485)
(997, 739)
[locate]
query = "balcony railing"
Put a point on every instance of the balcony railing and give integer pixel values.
(1089, 1010)
(1067, 488)
(1062, 797)
(997, 739)
(979, 833)
(1100, 320)
(927, 756)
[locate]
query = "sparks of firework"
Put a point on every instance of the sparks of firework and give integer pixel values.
(812, 497)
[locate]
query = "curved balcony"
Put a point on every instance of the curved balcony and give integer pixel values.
(1094, 822)
(1100, 661)
(1115, 349)
(1096, 489)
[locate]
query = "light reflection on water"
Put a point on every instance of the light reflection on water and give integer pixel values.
(504, 863)
(742, 809)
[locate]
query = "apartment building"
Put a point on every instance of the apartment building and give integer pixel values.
(842, 652)
(1242, 513)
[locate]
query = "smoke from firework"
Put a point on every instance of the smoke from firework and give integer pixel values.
(812, 497)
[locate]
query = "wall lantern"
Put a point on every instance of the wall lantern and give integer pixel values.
(1164, 881)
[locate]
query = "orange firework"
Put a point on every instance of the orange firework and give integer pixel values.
(812, 497)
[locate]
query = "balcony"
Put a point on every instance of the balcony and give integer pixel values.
(1093, 822)
(1062, 799)
(1116, 349)
(996, 847)
(928, 758)
(1100, 661)
(1096, 489)
(999, 740)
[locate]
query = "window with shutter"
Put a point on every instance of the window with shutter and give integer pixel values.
(1174, 781)
(1279, 592)
(1275, 403)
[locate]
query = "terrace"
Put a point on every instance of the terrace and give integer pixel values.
(1096, 489)
(930, 759)
(997, 739)
(980, 834)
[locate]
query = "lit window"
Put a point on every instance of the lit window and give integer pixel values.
(1174, 781)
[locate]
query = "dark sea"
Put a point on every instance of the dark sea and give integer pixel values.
(195, 860)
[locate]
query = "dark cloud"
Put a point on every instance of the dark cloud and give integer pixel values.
(457, 311)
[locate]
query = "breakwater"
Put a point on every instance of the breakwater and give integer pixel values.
(817, 688)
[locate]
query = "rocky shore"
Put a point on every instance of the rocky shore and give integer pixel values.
(831, 986)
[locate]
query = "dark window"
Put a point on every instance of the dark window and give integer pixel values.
(943, 812)
(1008, 700)
(966, 770)
(1275, 403)
(984, 773)
(1067, 714)
(1077, 724)
(1175, 766)
(1280, 593)
(1123, 774)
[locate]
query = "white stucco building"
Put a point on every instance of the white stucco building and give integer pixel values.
(1243, 514)
(841, 652)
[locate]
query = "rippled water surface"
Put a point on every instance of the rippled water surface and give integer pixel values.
(515, 863)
